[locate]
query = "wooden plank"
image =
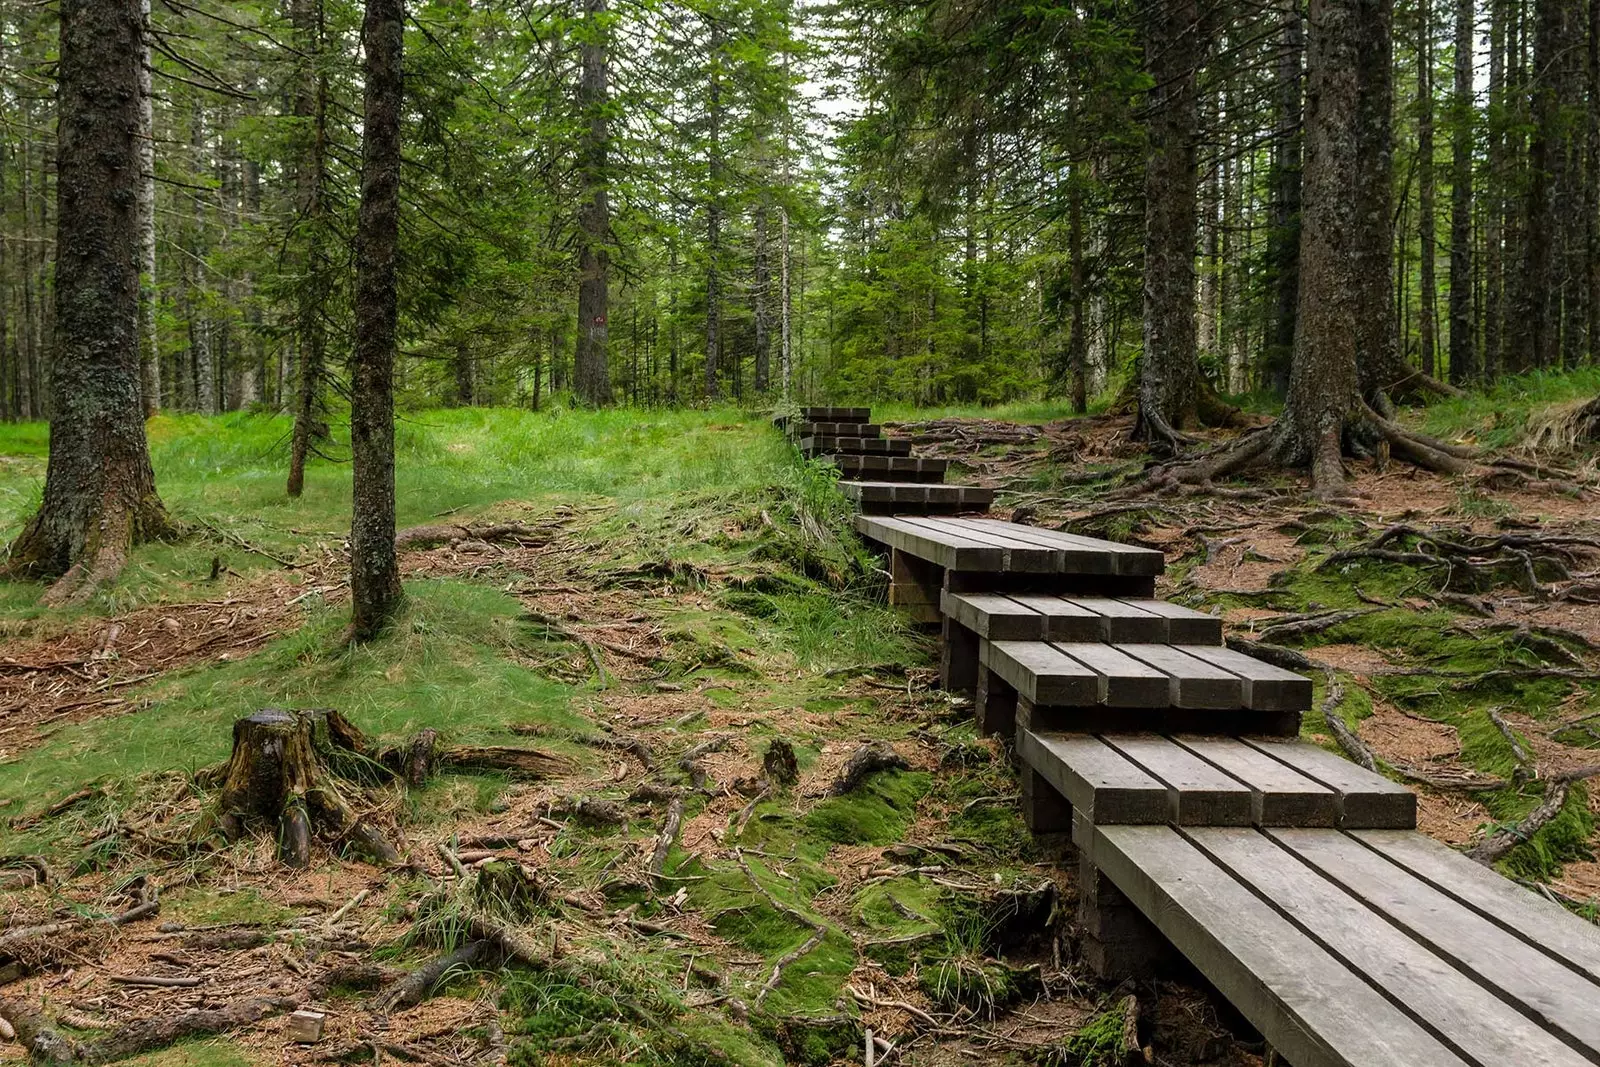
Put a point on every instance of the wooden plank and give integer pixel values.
(995, 617)
(947, 551)
(837, 429)
(1185, 626)
(1266, 688)
(1124, 681)
(1558, 997)
(1198, 793)
(1016, 556)
(893, 446)
(824, 413)
(1193, 683)
(1077, 558)
(1124, 621)
(1307, 1003)
(1282, 796)
(1099, 783)
(1548, 926)
(1451, 1003)
(1041, 673)
(1366, 800)
(1064, 620)
(1130, 559)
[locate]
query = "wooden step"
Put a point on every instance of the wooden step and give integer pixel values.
(1209, 781)
(827, 414)
(890, 468)
(990, 546)
(879, 498)
(1135, 675)
(886, 446)
(1341, 957)
(1023, 617)
(835, 429)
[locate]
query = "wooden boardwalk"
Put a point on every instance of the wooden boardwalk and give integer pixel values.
(1292, 879)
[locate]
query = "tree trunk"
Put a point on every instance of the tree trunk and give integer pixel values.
(99, 495)
(374, 572)
(1078, 345)
(760, 283)
(150, 360)
(1169, 368)
(714, 219)
(1463, 339)
(466, 384)
(590, 370)
(1283, 241)
(1537, 341)
(1494, 196)
(1427, 315)
(311, 103)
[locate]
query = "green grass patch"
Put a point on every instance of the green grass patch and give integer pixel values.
(1498, 417)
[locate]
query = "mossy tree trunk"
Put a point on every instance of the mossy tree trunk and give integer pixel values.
(374, 569)
(100, 495)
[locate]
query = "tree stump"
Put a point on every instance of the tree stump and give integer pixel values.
(283, 775)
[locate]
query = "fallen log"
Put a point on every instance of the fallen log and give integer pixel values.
(434, 534)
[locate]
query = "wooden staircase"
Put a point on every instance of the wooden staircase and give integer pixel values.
(880, 476)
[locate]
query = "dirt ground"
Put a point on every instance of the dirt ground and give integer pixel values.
(322, 948)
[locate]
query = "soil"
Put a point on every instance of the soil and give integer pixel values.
(54, 676)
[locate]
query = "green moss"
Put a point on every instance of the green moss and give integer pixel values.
(877, 813)
(246, 907)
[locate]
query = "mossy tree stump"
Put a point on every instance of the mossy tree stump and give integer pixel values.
(284, 774)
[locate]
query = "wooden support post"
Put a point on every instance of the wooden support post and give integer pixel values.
(1044, 809)
(958, 658)
(996, 704)
(914, 586)
(1118, 942)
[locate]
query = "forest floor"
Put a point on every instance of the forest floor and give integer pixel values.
(680, 598)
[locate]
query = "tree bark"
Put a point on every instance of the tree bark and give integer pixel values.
(150, 349)
(1427, 314)
(99, 496)
(1283, 241)
(374, 572)
(714, 218)
(1169, 369)
(760, 284)
(591, 372)
(310, 103)
(1463, 335)
(1537, 340)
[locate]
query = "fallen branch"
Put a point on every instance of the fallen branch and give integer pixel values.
(665, 839)
(1353, 746)
(517, 762)
(414, 988)
(1525, 768)
(866, 761)
(430, 535)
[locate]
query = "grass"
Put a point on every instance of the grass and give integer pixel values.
(1498, 417)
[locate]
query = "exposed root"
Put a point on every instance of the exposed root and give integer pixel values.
(415, 987)
(867, 760)
(429, 536)
(1353, 746)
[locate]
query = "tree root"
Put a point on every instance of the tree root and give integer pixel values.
(45, 1044)
(867, 760)
(818, 930)
(429, 536)
(666, 838)
(1353, 746)
(415, 987)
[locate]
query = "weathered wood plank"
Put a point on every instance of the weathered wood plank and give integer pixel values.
(1557, 996)
(889, 468)
(1015, 556)
(836, 429)
(1124, 622)
(1130, 559)
(835, 414)
(1282, 796)
(1198, 794)
(1307, 1003)
(943, 550)
(1193, 683)
(1472, 1018)
(820, 446)
(1064, 620)
(1078, 558)
(1266, 688)
(1185, 626)
(1366, 800)
(995, 617)
(1099, 783)
(1043, 674)
(916, 496)
(1548, 926)
(1124, 681)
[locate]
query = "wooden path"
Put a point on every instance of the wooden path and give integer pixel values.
(1289, 877)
